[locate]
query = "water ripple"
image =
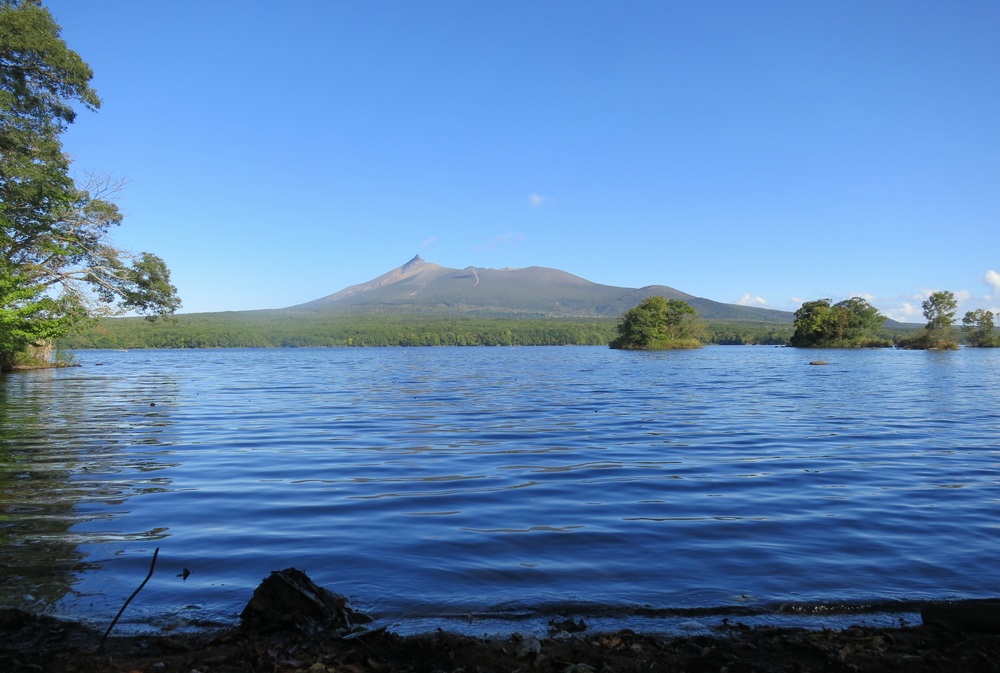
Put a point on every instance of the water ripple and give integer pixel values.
(428, 483)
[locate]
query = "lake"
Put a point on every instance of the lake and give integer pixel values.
(489, 489)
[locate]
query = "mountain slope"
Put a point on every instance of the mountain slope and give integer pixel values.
(422, 287)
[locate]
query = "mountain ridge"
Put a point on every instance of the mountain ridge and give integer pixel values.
(423, 287)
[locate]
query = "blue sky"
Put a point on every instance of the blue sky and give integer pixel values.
(748, 152)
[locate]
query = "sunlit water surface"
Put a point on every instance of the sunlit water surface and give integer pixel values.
(487, 489)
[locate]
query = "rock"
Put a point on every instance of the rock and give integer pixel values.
(569, 625)
(530, 646)
(288, 598)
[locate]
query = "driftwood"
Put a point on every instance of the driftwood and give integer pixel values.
(973, 616)
(288, 598)
(152, 566)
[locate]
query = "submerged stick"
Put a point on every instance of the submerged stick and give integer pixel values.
(114, 621)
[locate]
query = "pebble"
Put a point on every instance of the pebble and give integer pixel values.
(530, 646)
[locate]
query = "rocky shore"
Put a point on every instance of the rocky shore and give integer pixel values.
(291, 625)
(33, 643)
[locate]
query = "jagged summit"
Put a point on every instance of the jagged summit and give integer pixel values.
(424, 287)
(417, 261)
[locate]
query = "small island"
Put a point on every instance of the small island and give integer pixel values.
(852, 323)
(659, 323)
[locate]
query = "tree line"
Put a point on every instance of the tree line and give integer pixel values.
(854, 323)
(276, 329)
(655, 323)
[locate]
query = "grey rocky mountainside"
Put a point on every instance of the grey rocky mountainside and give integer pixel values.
(424, 287)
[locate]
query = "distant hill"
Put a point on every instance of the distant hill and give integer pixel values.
(537, 292)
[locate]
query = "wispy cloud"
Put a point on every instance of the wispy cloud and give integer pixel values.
(960, 295)
(535, 200)
(428, 242)
(504, 240)
(748, 300)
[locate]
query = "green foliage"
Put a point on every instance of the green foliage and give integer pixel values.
(660, 323)
(852, 323)
(58, 264)
(939, 309)
(265, 329)
(979, 329)
(748, 333)
(41, 357)
(925, 340)
(270, 329)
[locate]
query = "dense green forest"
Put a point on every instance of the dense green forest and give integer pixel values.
(266, 329)
(263, 329)
(659, 323)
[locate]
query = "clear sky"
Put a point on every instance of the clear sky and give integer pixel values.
(763, 152)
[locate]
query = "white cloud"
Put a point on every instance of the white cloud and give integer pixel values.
(428, 242)
(911, 306)
(747, 300)
(904, 313)
(992, 278)
(536, 200)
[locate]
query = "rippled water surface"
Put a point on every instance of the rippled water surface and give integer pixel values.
(477, 485)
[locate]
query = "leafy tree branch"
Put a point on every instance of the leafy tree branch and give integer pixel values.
(59, 265)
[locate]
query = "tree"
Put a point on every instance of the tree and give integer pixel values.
(939, 309)
(659, 323)
(979, 328)
(849, 323)
(59, 266)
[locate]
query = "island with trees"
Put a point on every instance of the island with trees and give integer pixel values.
(852, 323)
(938, 334)
(980, 329)
(660, 324)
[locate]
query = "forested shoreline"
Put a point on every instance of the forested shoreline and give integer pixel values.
(279, 329)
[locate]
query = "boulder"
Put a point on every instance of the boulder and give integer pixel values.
(289, 599)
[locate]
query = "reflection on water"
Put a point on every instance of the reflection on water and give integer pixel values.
(38, 504)
(429, 483)
(68, 463)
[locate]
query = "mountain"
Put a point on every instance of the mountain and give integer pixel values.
(424, 287)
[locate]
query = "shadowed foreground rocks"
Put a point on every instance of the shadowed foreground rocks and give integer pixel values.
(277, 637)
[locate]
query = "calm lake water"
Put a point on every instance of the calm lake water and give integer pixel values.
(488, 489)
